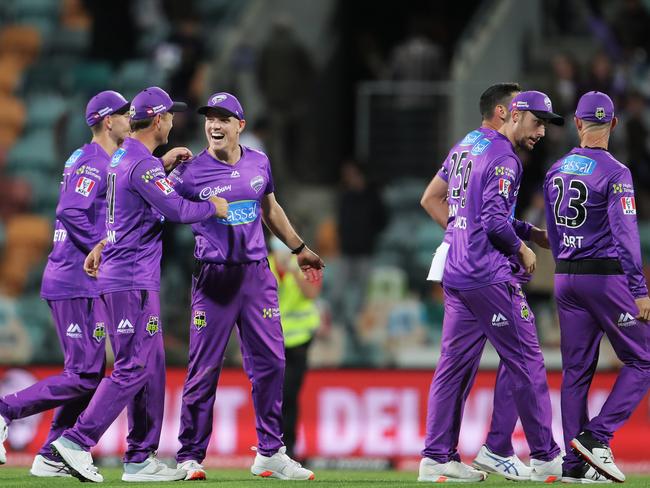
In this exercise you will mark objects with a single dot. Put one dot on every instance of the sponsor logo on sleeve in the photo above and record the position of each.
(257, 183)
(117, 157)
(199, 320)
(271, 312)
(153, 325)
(73, 158)
(622, 188)
(504, 187)
(629, 205)
(504, 171)
(575, 164)
(89, 170)
(84, 186)
(165, 186)
(480, 147)
(152, 173)
(471, 138)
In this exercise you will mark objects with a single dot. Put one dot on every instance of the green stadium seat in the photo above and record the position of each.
(35, 150)
(134, 76)
(90, 78)
(43, 111)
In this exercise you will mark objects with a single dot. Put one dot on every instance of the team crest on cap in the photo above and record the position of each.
(547, 102)
(218, 99)
(132, 111)
(600, 113)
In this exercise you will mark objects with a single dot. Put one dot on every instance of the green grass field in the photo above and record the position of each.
(19, 478)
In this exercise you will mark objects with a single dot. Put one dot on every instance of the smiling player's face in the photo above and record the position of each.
(222, 131)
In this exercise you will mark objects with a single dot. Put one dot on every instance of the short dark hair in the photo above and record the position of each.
(137, 125)
(496, 95)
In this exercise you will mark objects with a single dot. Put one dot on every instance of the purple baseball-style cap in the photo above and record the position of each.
(224, 103)
(152, 101)
(595, 106)
(538, 104)
(105, 103)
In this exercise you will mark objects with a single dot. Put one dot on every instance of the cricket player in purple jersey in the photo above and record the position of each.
(70, 293)
(497, 454)
(139, 199)
(484, 300)
(233, 283)
(599, 287)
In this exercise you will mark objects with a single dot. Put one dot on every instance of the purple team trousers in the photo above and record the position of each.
(138, 378)
(80, 326)
(224, 295)
(590, 306)
(498, 313)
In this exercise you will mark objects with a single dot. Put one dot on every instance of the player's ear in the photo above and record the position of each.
(614, 123)
(242, 125)
(578, 123)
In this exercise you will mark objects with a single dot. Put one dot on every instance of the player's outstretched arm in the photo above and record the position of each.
(277, 221)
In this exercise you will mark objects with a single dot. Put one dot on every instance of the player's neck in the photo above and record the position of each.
(105, 142)
(228, 156)
(488, 124)
(595, 141)
(146, 138)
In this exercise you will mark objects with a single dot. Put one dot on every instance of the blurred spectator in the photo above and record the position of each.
(565, 83)
(300, 320)
(256, 135)
(361, 217)
(417, 58)
(630, 26)
(285, 75)
(106, 43)
(604, 77)
(638, 152)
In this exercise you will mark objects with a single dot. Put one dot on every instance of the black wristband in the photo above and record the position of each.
(299, 249)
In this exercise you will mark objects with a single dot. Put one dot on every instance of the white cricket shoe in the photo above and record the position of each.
(152, 470)
(46, 468)
(78, 461)
(4, 432)
(546, 471)
(193, 469)
(598, 454)
(583, 474)
(510, 467)
(280, 466)
(449, 472)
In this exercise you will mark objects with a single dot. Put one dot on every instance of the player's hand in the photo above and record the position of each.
(527, 258)
(174, 157)
(643, 304)
(540, 237)
(91, 263)
(310, 264)
(220, 207)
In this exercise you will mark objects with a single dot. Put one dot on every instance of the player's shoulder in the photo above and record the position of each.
(254, 154)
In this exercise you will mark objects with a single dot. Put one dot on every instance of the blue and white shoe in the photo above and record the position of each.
(510, 467)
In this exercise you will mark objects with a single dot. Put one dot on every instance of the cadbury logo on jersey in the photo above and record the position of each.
(578, 165)
(210, 191)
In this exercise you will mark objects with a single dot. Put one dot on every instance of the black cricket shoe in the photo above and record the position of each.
(597, 454)
(584, 474)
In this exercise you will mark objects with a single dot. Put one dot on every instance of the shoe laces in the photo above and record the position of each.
(282, 454)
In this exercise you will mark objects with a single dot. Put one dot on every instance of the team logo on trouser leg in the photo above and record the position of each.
(100, 331)
(152, 325)
(199, 319)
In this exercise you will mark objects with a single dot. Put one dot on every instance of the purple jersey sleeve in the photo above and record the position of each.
(522, 229)
(621, 212)
(75, 205)
(501, 180)
(181, 180)
(551, 227)
(443, 172)
(270, 185)
(160, 194)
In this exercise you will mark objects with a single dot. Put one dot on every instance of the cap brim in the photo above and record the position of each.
(178, 107)
(123, 109)
(552, 118)
(220, 110)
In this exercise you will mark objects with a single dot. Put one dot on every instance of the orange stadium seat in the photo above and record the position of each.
(12, 120)
(10, 72)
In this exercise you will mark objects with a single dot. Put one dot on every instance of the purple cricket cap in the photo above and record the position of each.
(538, 104)
(595, 106)
(225, 103)
(103, 104)
(152, 101)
